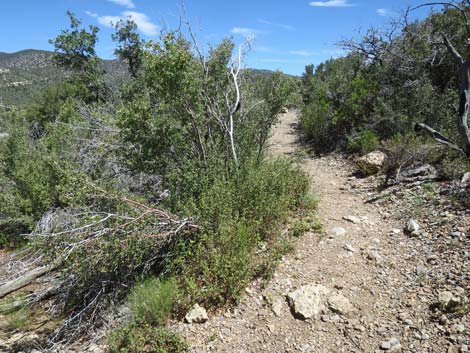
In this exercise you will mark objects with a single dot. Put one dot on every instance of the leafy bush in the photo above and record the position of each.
(384, 85)
(135, 338)
(31, 181)
(237, 214)
(16, 312)
(151, 301)
(366, 142)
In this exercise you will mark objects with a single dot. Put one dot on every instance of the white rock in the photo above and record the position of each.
(352, 219)
(348, 247)
(412, 226)
(448, 300)
(338, 231)
(340, 304)
(276, 307)
(371, 163)
(308, 301)
(373, 256)
(466, 178)
(197, 314)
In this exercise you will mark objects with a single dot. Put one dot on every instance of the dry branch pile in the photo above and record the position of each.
(99, 255)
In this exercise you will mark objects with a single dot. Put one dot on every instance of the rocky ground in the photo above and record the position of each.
(373, 281)
(366, 284)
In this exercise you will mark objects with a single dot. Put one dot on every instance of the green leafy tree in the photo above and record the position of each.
(129, 45)
(75, 51)
(75, 47)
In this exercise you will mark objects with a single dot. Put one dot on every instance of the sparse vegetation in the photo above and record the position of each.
(145, 338)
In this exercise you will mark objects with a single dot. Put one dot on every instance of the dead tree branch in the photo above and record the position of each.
(437, 136)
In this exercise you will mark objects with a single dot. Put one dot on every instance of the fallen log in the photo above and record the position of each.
(23, 281)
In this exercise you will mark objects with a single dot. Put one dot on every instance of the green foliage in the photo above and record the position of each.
(237, 214)
(366, 142)
(152, 300)
(47, 107)
(383, 86)
(16, 312)
(178, 97)
(135, 338)
(130, 46)
(308, 224)
(31, 179)
(75, 170)
(75, 51)
(18, 319)
(75, 48)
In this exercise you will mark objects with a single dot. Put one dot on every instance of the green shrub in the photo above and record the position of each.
(405, 150)
(366, 142)
(151, 301)
(237, 214)
(300, 227)
(135, 338)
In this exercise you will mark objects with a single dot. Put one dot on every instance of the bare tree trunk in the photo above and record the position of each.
(23, 281)
(464, 105)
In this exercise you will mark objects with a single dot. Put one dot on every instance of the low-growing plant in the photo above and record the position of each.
(366, 142)
(16, 312)
(18, 319)
(137, 338)
(152, 300)
(299, 228)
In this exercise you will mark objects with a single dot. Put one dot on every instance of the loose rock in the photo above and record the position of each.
(340, 304)
(371, 163)
(348, 247)
(338, 231)
(413, 227)
(197, 314)
(308, 300)
(352, 219)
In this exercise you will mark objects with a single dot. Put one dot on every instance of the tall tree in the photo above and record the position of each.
(75, 47)
(129, 45)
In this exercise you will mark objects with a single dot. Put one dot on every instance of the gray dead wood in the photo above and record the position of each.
(23, 281)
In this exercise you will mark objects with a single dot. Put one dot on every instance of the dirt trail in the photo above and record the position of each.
(369, 265)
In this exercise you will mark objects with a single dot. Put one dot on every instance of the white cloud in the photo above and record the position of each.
(91, 14)
(331, 3)
(246, 32)
(280, 25)
(385, 12)
(127, 3)
(109, 21)
(303, 52)
(143, 22)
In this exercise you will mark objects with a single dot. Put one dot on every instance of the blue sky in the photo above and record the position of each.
(288, 34)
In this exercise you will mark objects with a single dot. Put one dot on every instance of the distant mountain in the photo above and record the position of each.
(24, 74)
